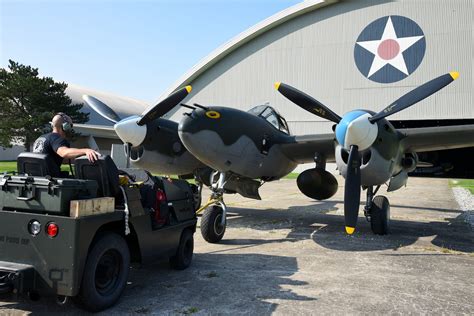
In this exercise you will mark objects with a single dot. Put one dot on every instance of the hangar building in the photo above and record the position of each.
(314, 46)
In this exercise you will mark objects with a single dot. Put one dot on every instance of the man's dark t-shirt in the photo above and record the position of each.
(49, 144)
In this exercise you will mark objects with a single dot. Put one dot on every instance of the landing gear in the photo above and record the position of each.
(377, 212)
(212, 229)
(213, 220)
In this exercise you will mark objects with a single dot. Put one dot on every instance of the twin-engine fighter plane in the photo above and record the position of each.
(370, 152)
(233, 151)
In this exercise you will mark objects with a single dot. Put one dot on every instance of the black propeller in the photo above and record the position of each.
(416, 95)
(352, 190)
(101, 108)
(353, 177)
(307, 102)
(165, 106)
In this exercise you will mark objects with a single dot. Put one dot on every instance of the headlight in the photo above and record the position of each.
(34, 227)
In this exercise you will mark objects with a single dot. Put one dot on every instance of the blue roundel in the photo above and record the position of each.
(341, 127)
(389, 49)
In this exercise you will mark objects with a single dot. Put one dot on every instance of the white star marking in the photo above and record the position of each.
(396, 61)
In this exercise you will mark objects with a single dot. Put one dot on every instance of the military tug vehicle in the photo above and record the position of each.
(76, 237)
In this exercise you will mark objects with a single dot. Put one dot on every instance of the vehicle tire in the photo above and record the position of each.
(184, 255)
(380, 215)
(105, 273)
(211, 228)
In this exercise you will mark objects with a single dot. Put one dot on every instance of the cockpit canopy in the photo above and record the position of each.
(271, 116)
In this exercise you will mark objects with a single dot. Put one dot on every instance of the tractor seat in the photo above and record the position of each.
(104, 171)
(37, 165)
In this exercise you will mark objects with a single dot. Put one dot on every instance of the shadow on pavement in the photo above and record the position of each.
(327, 230)
(214, 284)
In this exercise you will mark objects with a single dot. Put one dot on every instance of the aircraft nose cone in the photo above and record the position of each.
(356, 129)
(130, 132)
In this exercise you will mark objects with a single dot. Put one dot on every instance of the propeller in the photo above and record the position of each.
(357, 131)
(131, 130)
(352, 190)
(101, 108)
(416, 95)
(165, 106)
(307, 102)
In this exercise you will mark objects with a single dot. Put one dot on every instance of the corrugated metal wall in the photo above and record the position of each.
(315, 53)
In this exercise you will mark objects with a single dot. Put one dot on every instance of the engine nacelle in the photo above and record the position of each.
(374, 168)
(317, 183)
(409, 162)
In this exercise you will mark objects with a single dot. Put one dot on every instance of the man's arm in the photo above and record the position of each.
(71, 153)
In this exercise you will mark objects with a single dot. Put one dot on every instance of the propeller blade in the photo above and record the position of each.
(165, 106)
(416, 95)
(100, 107)
(307, 102)
(352, 190)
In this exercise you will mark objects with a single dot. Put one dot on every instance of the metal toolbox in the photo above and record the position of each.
(43, 195)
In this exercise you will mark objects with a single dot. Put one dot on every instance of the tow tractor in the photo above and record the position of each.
(76, 237)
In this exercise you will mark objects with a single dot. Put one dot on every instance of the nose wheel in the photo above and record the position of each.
(377, 212)
(214, 212)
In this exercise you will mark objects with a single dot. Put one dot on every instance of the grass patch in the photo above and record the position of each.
(10, 166)
(189, 311)
(211, 274)
(292, 175)
(465, 183)
(6, 166)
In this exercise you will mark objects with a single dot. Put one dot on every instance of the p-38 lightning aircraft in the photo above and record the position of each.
(232, 151)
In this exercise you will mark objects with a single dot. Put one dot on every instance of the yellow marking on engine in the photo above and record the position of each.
(213, 114)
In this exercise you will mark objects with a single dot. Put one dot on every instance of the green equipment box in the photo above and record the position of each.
(40, 194)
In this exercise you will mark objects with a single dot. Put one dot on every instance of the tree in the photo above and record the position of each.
(28, 103)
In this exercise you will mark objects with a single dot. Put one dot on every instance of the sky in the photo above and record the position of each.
(131, 48)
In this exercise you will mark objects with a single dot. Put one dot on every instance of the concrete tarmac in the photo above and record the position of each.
(289, 255)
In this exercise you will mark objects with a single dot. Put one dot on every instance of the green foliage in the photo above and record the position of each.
(465, 183)
(28, 103)
(10, 166)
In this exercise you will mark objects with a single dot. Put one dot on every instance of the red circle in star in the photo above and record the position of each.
(388, 49)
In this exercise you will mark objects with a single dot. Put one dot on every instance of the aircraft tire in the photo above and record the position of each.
(105, 273)
(184, 255)
(380, 215)
(211, 229)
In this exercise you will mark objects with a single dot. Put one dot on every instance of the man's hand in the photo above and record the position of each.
(92, 155)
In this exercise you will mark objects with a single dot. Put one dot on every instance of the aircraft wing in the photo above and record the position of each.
(302, 149)
(437, 138)
(101, 131)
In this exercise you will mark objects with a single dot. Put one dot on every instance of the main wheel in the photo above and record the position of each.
(105, 273)
(212, 229)
(184, 255)
(380, 215)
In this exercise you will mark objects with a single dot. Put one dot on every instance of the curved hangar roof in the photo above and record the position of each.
(244, 37)
(314, 46)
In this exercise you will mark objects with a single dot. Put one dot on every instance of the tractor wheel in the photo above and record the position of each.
(184, 255)
(105, 273)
